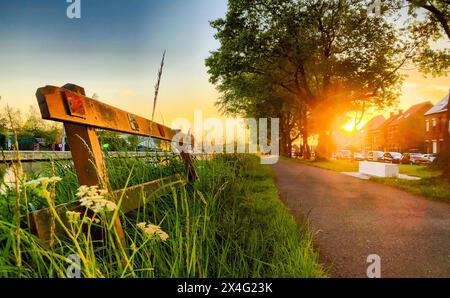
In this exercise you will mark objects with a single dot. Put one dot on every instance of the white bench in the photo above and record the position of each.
(378, 169)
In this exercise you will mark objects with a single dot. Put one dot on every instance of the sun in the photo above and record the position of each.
(350, 126)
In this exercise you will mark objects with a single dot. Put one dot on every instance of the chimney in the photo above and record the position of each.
(392, 114)
(400, 112)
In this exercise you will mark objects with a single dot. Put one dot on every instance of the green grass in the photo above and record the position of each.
(230, 223)
(419, 171)
(336, 165)
(432, 185)
(436, 188)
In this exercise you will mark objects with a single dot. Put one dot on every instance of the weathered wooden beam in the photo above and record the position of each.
(64, 105)
(87, 157)
(133, 198)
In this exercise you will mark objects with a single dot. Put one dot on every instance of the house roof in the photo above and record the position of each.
(388, 122)
(374, 123)
(439, 107)
(411, 111)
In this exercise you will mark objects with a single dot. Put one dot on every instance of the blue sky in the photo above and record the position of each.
(114, 50)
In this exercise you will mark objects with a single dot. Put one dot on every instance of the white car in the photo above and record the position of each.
(430, 157)
(375, 155)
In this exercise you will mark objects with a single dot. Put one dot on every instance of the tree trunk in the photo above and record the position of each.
(325, 147)
(306, 152)
(284, 137)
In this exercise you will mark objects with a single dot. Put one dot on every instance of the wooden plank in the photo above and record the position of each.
(54, 105)
(87, 155)
(133, 198)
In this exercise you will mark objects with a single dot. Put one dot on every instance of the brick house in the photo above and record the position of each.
(379, 134)
(436, 124)
(405, 133)
(369, 132)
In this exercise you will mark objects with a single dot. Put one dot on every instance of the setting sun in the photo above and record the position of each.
(350, 126)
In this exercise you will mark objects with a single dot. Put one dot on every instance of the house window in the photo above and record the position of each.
(435, 147)
(434, 122)
(427, 125)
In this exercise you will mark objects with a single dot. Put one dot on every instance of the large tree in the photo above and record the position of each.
(328, 56)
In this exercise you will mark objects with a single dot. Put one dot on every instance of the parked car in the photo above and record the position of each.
(392, 157)
(374, 155)
(359, 156)
(343, 154)
(430, 157)
(415, 158)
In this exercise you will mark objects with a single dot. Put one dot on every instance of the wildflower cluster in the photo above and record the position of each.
(94, 198)
(43, 181)
(152, 230)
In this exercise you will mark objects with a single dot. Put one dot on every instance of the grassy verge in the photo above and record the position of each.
(432, 185)
(230, 223)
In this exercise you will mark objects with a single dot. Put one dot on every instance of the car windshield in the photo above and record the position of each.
(396, 155)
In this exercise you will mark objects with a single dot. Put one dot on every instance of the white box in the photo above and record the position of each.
(378, 169)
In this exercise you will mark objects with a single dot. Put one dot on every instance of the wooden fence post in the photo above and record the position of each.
(87, 157)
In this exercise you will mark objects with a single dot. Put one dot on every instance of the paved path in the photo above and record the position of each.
(353, 218)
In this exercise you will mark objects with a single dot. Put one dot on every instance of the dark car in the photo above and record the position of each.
(392, 157)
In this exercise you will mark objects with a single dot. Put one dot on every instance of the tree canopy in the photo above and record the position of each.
(320, 57)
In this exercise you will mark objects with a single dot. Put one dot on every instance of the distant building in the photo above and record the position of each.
(379, 134)
(404, 132)
(436, 125)
(369, 132)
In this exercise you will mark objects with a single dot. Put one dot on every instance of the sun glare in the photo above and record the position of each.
(350, 126)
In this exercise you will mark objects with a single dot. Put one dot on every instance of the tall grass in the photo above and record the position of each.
(230, 223)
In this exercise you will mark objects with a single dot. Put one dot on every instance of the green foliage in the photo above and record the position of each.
(30, 128)
(313, 51)
(430, 24)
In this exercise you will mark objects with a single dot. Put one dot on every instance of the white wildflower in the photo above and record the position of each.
(43, 180)
(152, 230)
(94, 198)
(33, 183)
(55, 179)
(82, 190)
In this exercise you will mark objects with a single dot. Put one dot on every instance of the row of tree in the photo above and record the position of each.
(27, 128)
(308, 62)
(30, 127)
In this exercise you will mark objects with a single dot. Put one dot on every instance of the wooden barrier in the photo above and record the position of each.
(81, 116)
